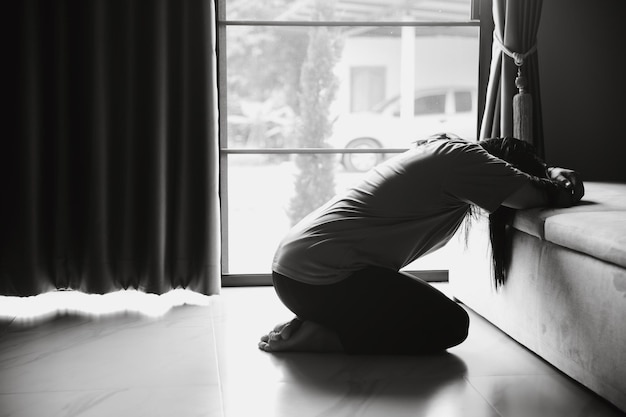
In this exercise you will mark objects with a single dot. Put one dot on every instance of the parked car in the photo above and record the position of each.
(449, 110)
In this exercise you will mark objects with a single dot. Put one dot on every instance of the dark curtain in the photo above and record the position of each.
(109, 165)
(516, 24)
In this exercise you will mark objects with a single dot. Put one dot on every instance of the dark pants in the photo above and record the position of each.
(379, 311)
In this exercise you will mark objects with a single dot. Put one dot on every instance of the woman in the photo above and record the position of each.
(338, 269)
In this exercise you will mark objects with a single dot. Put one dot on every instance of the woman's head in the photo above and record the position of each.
(522, 155)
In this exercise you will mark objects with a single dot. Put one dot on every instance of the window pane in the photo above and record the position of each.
(435, 104)
(300, 87)
(348, 10)
(463, 101)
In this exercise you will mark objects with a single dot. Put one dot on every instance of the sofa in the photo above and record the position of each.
(565, 297)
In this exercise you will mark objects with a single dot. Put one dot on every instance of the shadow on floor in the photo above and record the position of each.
(388, 377)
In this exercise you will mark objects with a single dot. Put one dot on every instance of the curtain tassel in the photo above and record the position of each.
(522, 101)
(522, 109)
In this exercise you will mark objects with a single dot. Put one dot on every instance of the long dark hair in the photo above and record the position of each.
(523, 156)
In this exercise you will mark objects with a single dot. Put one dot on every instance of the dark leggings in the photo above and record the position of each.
(379, 311)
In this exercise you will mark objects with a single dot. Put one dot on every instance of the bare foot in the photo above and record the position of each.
(300, 336)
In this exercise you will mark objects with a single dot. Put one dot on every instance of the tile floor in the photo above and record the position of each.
(202, 360)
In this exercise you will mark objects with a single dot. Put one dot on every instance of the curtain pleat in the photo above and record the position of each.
(517, 23)
(109, 167)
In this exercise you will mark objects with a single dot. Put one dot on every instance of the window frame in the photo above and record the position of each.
(264, 279)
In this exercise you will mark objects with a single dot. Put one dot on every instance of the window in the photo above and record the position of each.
(463, 101)
(433, 104)
(314, 92)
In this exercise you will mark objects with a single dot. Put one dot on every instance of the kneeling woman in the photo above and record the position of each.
(338, 270)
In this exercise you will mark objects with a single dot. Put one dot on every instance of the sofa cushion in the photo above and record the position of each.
(596, 226)
(599, 196)
(601, 235)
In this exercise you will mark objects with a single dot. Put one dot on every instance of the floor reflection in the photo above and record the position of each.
(369, 385)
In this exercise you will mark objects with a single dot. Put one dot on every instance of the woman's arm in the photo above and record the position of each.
(563, 189)
(528, 196)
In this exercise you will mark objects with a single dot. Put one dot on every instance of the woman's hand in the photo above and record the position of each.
(570, 180)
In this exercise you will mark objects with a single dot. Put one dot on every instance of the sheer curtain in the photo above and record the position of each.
(515, 31)
(109, 164)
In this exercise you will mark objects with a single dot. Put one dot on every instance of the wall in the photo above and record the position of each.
(583, 86)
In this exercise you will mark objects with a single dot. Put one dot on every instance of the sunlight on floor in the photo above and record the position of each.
(124, 301)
